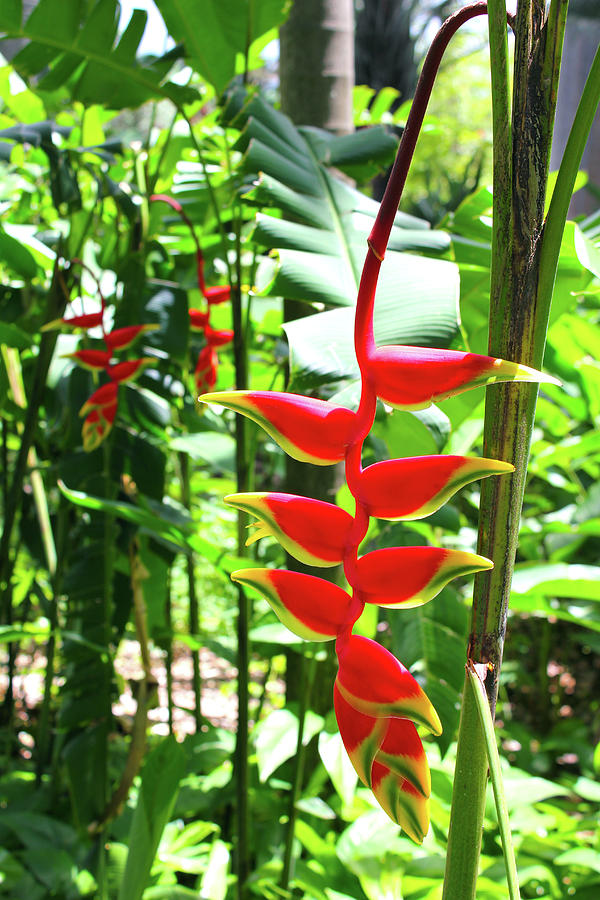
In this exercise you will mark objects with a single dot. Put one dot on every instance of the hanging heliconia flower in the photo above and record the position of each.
(205, 372)
(377, 701)
(100, 408)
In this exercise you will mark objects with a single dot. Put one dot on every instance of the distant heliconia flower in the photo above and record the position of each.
(100, 408)
(378, 703)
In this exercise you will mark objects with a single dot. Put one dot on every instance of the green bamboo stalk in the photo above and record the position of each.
(516, 325)
(194, 611)
(169, 653)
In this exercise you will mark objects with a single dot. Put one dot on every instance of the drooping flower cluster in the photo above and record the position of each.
(100, 408)
(205, 372)
(377, 701)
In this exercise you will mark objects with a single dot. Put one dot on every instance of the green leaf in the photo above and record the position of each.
(214, 880)
(417, 304)
(213, 32)
(522, 789)
(213, 447)
(68, 46)
(146, 519)
(276, 738)
(17, 257)
(163, 770)
(558, 580)
(24, 631)
(584, 857)
(338, 766)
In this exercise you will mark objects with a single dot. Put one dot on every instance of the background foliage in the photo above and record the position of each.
(131, 541)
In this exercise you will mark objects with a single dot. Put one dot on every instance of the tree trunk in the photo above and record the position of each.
(316, 64)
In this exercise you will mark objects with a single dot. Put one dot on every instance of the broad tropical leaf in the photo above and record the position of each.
(68, 47)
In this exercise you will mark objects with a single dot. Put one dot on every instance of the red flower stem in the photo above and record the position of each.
(379, 236)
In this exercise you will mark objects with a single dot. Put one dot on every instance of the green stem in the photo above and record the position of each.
(468, 803)
(43, 731)
(487, 724)
(518, 326)
(192, 595)
(169, 652)
(309, 668)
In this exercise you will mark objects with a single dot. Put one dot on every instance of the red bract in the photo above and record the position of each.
(216, 338)
(312, 608)
(308, 429)
(415, 487)
(413, 377)
(91, 359)
(410, 576)
(313, 531)
(376, 698)
(217, 294)
(205, 373)
(97, 425)
(198, 319)
(128, 369)
(124, 337)
(104, 396)
(87, 320)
